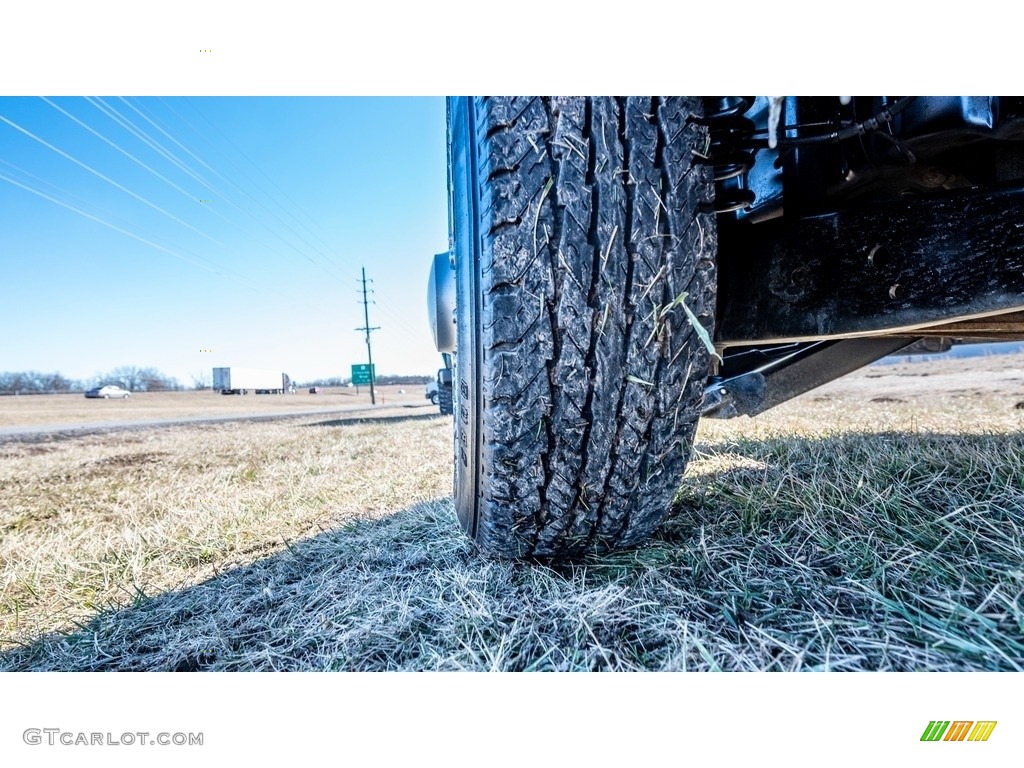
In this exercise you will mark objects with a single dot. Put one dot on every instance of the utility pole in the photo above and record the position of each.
(367, 328)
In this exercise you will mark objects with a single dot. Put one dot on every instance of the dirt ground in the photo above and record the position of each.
(975, 376)
(996, 381)
(43, 410)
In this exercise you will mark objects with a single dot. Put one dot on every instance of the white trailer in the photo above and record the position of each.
(240, 381)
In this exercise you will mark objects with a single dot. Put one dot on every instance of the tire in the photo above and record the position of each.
(575, 404)
(434, 398)
(444, 400)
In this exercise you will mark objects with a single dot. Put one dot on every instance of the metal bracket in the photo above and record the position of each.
(754, 392)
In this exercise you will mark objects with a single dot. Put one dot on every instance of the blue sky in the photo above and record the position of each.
(257, 215)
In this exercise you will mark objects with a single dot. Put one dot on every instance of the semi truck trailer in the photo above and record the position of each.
(239, 381)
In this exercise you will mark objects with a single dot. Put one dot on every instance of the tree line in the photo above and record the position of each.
(137, 379)
(337, 381)
(127, 377)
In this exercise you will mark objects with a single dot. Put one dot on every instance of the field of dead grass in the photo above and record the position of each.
(876, 523)
(64, 410)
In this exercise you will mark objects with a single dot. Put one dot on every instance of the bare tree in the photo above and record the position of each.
(140, 379)
(128, 376)
(35, 382)
(156, 381)
(54, 382)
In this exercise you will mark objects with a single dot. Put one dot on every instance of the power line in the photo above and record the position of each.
(236, 186)
(254, 165)
(284, 223)
(124, 152)
(216, 268)
(131, 157)
(88, 209)
(155, 145)
(222, 176)
(107, 179)
(209, 267)
(195, 260)
(142, 136)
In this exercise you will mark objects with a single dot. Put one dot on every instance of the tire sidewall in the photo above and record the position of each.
(466, 390)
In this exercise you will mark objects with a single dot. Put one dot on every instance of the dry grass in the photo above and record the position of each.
(876, 529)
(94, 521)
(35, 410)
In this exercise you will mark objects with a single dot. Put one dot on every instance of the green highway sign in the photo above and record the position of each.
(363, 373)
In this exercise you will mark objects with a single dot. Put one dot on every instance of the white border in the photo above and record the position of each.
(133, 48)
(530, 719)
(312, 47)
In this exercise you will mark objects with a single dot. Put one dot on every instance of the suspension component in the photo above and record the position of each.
(729, 153)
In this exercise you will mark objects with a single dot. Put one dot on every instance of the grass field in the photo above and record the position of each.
(40, 410)
(876, 523)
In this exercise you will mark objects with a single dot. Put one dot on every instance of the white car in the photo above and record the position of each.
(431, 392)
(108, 392)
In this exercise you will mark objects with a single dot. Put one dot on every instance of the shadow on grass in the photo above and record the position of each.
(367, 420)
(855, 552)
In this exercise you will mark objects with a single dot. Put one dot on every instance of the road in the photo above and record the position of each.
(35, 431)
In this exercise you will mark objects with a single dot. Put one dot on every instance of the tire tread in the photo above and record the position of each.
(592, 214)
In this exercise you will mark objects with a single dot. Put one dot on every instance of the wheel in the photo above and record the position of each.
(585, 248)
(444, 399)
(433, 398)
(106, 397)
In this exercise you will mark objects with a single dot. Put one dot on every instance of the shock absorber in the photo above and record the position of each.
(729, 153)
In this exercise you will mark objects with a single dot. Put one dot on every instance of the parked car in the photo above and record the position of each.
(314, 390)
(108, 392)
(431, 393)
